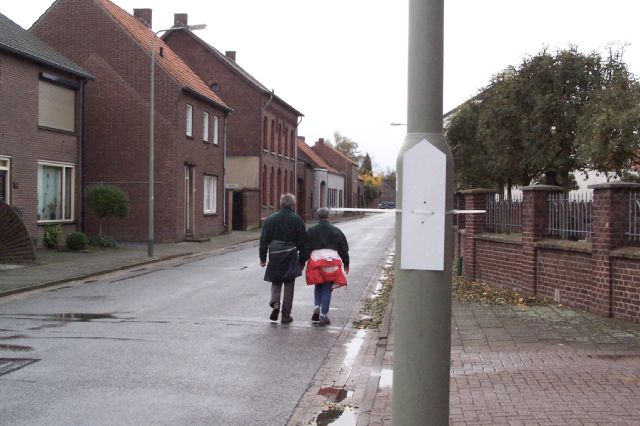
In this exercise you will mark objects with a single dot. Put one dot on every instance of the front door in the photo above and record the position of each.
(188, 199)
(4, 180)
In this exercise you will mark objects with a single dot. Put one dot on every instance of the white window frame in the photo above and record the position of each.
(210, 194)
(189, 120)
(6, 167)
(72, 186)
(216, 121)
(205, 127)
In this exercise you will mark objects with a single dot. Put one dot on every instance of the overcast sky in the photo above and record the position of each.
(342, 63)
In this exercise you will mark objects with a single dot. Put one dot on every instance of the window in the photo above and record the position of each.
(205, 127)
(264, 186)
(273, 137)
(265, 141)
(56, 106)
(210, 185)
(5, 178)
(340, 198)
(189, 120)
(215, 130)
(55, 191)
(271, 187)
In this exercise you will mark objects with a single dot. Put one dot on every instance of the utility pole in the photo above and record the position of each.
(424, 223)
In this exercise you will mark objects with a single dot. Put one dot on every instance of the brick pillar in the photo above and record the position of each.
(535, 223)
(474, 199)
(610, 221)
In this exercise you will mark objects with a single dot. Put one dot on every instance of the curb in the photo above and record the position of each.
(364, 416)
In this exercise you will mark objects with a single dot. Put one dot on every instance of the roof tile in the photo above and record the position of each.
(169, 60)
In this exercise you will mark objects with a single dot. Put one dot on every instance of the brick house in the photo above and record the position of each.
(354, 195)
(41, 131)
(261, 150)
(319, 184)
(189, 121)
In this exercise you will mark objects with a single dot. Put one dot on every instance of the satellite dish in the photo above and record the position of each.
(215, 87)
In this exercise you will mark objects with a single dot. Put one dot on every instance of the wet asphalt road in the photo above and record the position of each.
(182, 342)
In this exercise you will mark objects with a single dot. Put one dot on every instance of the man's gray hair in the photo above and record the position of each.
(323, 213)
(287, 200)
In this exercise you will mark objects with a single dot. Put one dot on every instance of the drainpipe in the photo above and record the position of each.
(81, 147)
(225, 222)
(295, 163)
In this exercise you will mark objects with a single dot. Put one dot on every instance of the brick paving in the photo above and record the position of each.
(545, 365)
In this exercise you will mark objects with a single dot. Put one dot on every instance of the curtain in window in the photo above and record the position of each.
(49, 193)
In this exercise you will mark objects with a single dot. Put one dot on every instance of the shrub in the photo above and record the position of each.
(77, 241)
(52, 234)
(102, 241)
(107, 201)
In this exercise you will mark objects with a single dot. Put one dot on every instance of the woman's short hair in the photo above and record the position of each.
(287, 200)
(323, 213)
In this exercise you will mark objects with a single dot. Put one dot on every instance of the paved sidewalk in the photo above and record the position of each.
(545, 365)
(58, 266)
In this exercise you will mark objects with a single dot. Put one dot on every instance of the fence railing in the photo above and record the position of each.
(570, 216)
(503, 216)
(634, 216)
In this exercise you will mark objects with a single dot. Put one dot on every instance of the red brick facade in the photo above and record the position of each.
(262, 126)
(113, 46)
(600, 275)
(353, 191)
(24, 144)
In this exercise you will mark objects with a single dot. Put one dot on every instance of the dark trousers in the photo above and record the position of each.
(287, 300)
(322, 296)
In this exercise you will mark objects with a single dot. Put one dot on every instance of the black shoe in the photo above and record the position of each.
(286, 319)
(316, 315)
(275, 312)
(324, 320)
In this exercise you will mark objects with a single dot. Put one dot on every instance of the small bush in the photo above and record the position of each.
(52, 234)
(107, 201)
(77, 241)
(102, 241)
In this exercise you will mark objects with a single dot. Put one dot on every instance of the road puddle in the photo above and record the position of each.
(15, 348)
(337, 416)
(386, 379)
(353, 348)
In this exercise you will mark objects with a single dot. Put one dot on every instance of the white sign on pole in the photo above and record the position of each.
(423, 207)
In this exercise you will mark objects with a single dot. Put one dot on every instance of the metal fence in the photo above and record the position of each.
(634, 216)
(570, 216)
(503, 216)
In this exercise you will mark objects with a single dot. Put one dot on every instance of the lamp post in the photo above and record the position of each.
(152, 127)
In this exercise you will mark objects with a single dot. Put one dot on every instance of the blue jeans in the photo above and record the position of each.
(322, 296)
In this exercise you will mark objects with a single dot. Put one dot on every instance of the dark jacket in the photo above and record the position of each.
(326, 236)
(285, 225)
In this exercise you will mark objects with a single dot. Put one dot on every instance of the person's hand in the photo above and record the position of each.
(346, 270)
(263, 263)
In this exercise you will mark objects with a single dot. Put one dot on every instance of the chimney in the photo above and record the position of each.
(180, 19)
(231, 54)
(320, 141)
(144, 16)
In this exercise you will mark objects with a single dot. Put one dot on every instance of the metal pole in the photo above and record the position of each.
(151, 142)
(423, 297)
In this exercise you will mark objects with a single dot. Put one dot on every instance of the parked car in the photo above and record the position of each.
(387, 205)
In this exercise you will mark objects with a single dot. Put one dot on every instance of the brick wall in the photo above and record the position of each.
(25, 143)
(600, 275)
(253, 108)
(117, 126)
(498, 262)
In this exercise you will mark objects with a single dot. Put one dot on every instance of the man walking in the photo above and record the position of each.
(327, 251)
(283, 236)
